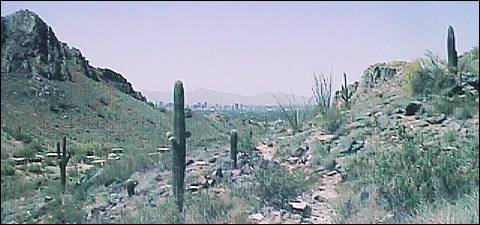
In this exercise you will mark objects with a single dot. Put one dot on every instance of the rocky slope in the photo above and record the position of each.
(31, 49)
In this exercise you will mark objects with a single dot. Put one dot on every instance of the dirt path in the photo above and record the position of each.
(319, 200)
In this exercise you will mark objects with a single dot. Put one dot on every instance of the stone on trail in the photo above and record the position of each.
(256, 216)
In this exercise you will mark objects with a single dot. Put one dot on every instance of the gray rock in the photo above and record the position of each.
(346, 144)
(437, 119)
(412, 108)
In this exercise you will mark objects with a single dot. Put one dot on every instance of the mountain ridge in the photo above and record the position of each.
(224, 98)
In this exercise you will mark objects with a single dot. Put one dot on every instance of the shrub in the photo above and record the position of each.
(275, 185)
(331, 120)
(21, 135)
(462, 107)
(245, 140)
(163, 214)
(35, 168)
(323, 157)
(408, 175)
(206, 208)
(7, 169)
(16, 188)
(29, 150)
(465, 210)
(427, 76)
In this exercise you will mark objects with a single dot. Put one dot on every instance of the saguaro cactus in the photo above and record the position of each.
(346, 95)
(178, 141)
(62, 162)
(451, 51)
(233, 147)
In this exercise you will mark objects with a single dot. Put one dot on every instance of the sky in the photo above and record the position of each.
(252, 47)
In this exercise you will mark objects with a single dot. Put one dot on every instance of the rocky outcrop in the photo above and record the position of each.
(30, 49)
(379, 72)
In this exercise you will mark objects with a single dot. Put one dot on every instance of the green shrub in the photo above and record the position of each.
(19, 135)
(463, 107)
(275, 186)
(7, 169)
(465, 210)
(206, 208)
(408, 175)
(332, 120)
(17, 187)
(427, 76)
(164, 213)
(35, 168)
(68, 211)
(245, 141)
(323, 157)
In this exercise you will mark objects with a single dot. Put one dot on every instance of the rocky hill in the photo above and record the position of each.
(30, 49)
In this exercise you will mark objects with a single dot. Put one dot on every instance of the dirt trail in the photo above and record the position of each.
(320, 199)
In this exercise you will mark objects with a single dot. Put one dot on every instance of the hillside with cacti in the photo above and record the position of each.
(79, 145)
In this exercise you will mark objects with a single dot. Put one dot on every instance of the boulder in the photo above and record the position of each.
(437, 119)
(412, 108)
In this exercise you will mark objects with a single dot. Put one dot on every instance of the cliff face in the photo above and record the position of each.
(30, 49)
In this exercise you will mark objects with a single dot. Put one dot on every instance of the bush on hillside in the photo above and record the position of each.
(427, 76)
(275, 186)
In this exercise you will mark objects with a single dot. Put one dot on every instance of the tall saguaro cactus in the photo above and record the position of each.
(233, 147)
(451, 51)
(346, 95)
(62, 162)
(178, 141)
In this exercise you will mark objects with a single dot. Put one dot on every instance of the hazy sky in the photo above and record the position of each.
(252, 47)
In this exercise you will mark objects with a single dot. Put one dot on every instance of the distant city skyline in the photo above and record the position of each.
(252, 47)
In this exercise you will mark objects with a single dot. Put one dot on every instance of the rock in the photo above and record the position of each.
(450, 149)
(194, 188)
(19, 160)
(293, 160)
(398, 111)
(48, 198)
(115, 198)
(298, 205)
(454, 126)
(326, 138)
(320, 198)
(437, 119)
(189, 162)
(212, 160)
(346, 144)
(256, 217)
(331, 173)
(378, 114)
(158, 178)
(412, 108)
(200, 163)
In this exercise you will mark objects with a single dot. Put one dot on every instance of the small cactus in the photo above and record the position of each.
(233, 147)
(178, 140)
(346, 95)
(451, 51)
(62, 162)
